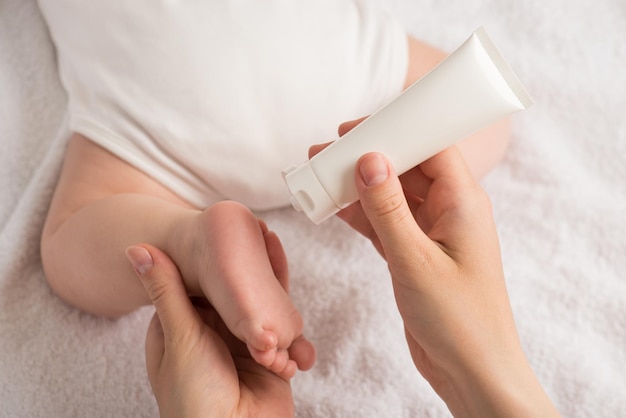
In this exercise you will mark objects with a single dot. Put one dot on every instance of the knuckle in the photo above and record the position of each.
(472, 203)
(157, 290)
(390, 208)
(481, 204)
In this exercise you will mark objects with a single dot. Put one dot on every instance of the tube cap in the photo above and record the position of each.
(307, 193)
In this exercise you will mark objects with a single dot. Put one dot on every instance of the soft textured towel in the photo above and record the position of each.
(559, 199)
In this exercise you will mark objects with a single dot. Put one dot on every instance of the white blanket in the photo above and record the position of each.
(559, 199)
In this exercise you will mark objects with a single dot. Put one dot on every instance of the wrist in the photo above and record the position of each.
(508, 389)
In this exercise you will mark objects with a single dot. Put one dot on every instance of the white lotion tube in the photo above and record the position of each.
(469, 90)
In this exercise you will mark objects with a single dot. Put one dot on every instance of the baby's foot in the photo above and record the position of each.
(244, 276)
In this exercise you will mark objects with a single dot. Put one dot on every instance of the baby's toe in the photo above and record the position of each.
(263, 357)
(303, 353)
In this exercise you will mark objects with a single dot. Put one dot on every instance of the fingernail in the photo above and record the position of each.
(140, 258)
(374, 170)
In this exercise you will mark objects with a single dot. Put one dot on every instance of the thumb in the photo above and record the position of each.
(385, 205)
(164, 285)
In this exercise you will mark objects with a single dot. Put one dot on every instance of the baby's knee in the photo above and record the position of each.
(484, 149)
(50, 260)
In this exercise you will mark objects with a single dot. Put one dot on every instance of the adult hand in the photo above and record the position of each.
(435, 228)
(196, 367)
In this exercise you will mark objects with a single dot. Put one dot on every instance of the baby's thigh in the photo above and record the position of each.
(91, 173)
(422, 59)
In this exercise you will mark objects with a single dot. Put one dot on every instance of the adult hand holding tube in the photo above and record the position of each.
(435, 228)
(471, 89)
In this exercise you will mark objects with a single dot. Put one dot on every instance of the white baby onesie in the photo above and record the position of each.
(213, 98)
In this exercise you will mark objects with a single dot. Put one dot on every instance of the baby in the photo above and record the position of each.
(183, 115)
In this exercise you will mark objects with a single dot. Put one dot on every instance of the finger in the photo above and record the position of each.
(346, 127)
(343, 129)
(459, 193)
(278, 258)
(383, 201)
(303, 353)
(155, 349)
(449, 165)
(467, 204)
(263, 226)
(164, 285)
(316, 149)
(356, 218)
(415, 182)
(446, 164)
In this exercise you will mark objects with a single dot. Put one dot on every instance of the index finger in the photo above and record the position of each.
(448, 164)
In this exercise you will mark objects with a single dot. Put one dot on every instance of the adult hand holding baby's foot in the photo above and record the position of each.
(196, 366)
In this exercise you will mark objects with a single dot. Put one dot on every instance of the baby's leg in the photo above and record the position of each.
(102, 205)
(483, 149)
